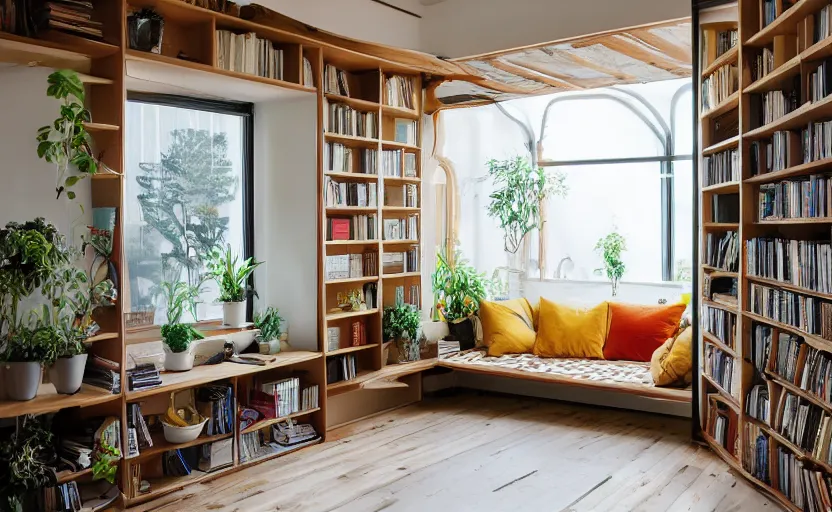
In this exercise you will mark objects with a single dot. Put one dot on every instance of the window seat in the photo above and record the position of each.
(620, 376)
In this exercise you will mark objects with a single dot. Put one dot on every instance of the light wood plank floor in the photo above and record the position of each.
(485, 453)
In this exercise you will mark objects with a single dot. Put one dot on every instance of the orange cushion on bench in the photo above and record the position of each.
(636, 331)
(564, 331)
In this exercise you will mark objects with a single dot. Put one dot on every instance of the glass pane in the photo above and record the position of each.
(683, 129)
(682, 220)
(183, 197)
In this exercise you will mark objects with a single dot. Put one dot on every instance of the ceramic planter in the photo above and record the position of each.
(234, 313)
(67, 373)
(23, 380)
(179, 361)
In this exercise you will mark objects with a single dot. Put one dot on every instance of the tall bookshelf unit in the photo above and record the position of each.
(110, 68)
(766, 358)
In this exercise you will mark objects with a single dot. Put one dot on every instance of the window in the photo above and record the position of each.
(187, 167)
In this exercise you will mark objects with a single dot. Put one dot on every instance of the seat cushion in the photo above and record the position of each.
(507, 327)
(565, 331)
(672, 363)
(636, 331)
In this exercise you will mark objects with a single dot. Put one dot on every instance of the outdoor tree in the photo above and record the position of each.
(182, 194)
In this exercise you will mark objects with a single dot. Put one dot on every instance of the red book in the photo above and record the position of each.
(356, 334)
(340, 229)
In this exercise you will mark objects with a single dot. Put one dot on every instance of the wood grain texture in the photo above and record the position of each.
(487, 453)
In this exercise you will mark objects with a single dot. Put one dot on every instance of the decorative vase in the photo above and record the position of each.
(23, 380)
(179, 361)
(407, 350)
(67, 373)
(145, 31)
(463, 331)
(233, 314)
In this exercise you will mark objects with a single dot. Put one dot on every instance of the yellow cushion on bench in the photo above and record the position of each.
(672, 363)
(564, 331)
(507, 327)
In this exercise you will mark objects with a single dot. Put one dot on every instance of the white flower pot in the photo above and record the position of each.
(67, 373)
(234, 313)
(179, 361)
(23, 380)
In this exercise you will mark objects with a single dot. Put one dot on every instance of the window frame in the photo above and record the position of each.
(245, 111)
(666, 135)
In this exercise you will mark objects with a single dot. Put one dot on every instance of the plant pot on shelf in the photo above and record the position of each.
(67, 373)
(234, 314)
(23, 380)
(179, 361)
(145, 30)
(463, 331)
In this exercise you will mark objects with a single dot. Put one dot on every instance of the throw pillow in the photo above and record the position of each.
(565, 331)
(672, 363)
(636, 331)
(507, 327)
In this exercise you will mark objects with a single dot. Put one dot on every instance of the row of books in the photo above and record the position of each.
(399, 92)
(392, 160)
(144, 376)
(755, 452)
(350, 194)
(723, 429)
(772, 105)
(725, 40)
(817, 141)
(216, 402)
(809, 314)
(816, 376)
(805, 424)
(757, 403)
(286, 436)
(340, 368)
(722, 250)
(103, 373)
(769, 12)
(786, 359)
(763, 64)
(719, 365)
(823, 24)
(345, 266)
(247, 53)
(722, 167)
(772, 155)
(276, 399)
(339, 158)
(721, 84)
(358, 336)
(357, 227)
(798, 198)
(401, 229)
(16, 18)
(335, 81)
(761, 339)
(342, 119)
(399, 262)
(72, 16)
(721, 324)
(807, 488)
(803, 263)
(138, 434)
(820, 82)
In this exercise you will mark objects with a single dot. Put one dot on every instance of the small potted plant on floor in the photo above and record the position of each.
(458, 288)
(400, 325)
(177, 336)
(268, 322)
(232, 278)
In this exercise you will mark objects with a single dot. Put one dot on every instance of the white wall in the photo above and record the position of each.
(590, 292)
(458, 28)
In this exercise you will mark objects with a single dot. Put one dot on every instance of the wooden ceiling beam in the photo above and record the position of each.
(535, 76)
(641, 52)
(674, 51)
(586, 63)
(581, 83)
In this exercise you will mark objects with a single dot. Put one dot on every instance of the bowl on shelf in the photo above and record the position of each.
(178, 435)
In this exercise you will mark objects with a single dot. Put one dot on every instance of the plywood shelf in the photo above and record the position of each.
(730, 399)
(402, 275)
(271, 421)
(398, 145)
(69, 476)
(350, 209)
(353, 280)
(811, 339)
(351, 140)
(786, 23)
(401, 179)
(713, 340)
(729, 57)
(53, 50)
(102, 337)
(788, 286)
(402, 209)
(809, 168)
(334, 317)
(722, 188)
(389, 110)
(348, 350)
(101, 127)
(806, 220)
(351, 242)
(358, 104)
(49, 400)
(777, 79)
(400, 242)
(729, 103)
(721, 226)
(794, 120)
(388, 373)
(352, 176)
(160, 445)
(726, 144)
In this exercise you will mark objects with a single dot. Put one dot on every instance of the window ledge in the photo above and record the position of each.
(660, 284)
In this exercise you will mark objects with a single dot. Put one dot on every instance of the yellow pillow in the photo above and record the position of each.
(507, 327)
(672, 363)
(564, 331)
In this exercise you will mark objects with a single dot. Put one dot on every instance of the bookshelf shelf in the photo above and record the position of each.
(402, 275)
(793, 120)
(786, 23)
(727, 397)
(164, 485)
(161, 446)
(360, 376)
(355, 103)
(279, 453)
(777, 78)
(806, 220)
(351, 140)
(352, 176)
(791, 172)
(351, 242)
(400, 242)
(713, 340)
(333, 317)
(721, 226)
(389, 372)
(711, 270)
(787, 286)
(411, 209)
(730, 103)
(817, 51)
(728, 57)
(54, 50)
(348, 350)
(350, 209)
(401, 179)
(780, 438)
(722, 146)
(101, 127)
(69, 476)
(368, 279)
(267, 423)
(793, 388)
(722, 188)
(390, 110)
(49, 400)
(387, 144)
(811, 339)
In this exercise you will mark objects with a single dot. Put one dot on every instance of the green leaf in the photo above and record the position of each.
(70, 194)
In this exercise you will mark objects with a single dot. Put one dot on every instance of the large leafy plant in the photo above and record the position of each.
(268, 322)
(399, 319)
(611, 248)
(515, 202)
(231, 275)
(66, 142)
(458, 287)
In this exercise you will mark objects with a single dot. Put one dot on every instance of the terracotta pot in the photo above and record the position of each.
(67, 373)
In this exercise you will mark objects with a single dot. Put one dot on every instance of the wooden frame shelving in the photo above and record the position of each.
(788, 42)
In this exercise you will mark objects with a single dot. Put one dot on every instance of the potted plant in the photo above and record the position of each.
(232, 278)
(26, 459)
(176, 336)
(29, 255)
(400, 325)
(611, 247)
(268, 322)
(458, 288)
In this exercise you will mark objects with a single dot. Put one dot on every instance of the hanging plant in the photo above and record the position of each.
(66, 143)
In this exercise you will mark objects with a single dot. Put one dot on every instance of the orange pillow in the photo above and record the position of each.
(636, 331)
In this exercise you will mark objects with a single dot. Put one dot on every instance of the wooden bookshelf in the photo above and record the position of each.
(795, 56)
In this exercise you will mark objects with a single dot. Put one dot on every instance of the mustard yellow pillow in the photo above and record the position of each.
(507, 327)
(564, 331)
(672, 363)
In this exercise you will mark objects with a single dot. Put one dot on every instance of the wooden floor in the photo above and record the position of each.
(471, 452)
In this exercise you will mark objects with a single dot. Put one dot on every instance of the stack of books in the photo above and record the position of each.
(308, 75)
(406, 130)
(283, 397)
(804, 263)
(16, 17)
(251, 446)
(755, 452)
(309, 398)
(342, 119)
(808, 489)
(800, 422)
(391, 162)
(721, 324)
(809, 314)
(337, 157)
(103, 373)
(292, 435)
(817, 141)
(174, 463)
(144, 376)
(335, 81)
(773, 105)
(725, 40)
(820, 82)
(368, 161)
(216, 402)
(723, 429)
(773, 155)
(823, 24)
(340, 368)
(719, 86)
(720, 367)
(73, 16)
(62, 498)
(350, 194)
(763, 64)
(800, 198)
(399, 92)
(359, 333)
(247, 53)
